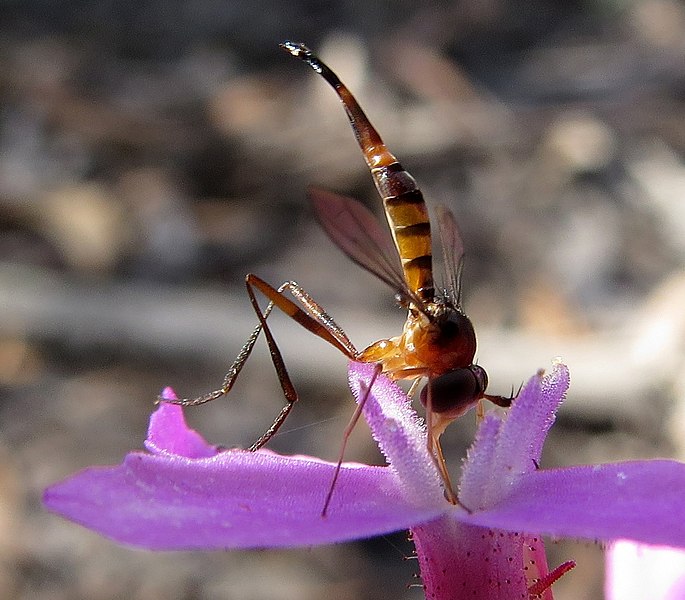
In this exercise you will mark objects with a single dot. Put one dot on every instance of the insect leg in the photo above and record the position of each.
(435, 450)
(504, 401)
(480, 412)
(315, 310)
(414, 386)
(231, 375)
(312, 318)
(378, 369)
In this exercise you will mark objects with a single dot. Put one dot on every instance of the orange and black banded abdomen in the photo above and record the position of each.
(407, 216)
(404, 205)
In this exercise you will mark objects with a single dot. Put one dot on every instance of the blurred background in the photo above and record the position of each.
(152, 153)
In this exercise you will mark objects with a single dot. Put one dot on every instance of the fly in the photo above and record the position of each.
(438, 341)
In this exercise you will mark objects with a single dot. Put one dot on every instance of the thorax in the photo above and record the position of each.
(430, 344)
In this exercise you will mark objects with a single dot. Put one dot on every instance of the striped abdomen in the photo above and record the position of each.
(404, 205)
(408, 219)
(403, 202)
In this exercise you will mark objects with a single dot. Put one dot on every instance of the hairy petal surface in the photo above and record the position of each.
(463, 557)
(523, 432)
(485, 551)
(187, 494)
(508, 446)
(639, 500)
(400, 434)
(236, 499)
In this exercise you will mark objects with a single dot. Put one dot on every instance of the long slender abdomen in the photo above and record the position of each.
(404, 205)
(403, 202)
(407, 216)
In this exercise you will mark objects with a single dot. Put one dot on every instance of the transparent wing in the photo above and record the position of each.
(356, 231)
(452, 252)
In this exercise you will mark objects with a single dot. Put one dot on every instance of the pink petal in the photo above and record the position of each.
(169, 434)
(641, 500)
(401, 436)
(506, 447)
(523, 433)
(189, 495)
(461, 561)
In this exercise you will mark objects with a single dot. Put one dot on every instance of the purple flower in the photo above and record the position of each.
(185, 494)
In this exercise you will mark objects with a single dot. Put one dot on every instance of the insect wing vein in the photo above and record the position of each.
(356, 231)
(452, 252)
